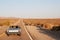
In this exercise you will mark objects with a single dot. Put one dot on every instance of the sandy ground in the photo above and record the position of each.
(36, 35)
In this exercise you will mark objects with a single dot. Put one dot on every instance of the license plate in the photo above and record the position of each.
(13, 30)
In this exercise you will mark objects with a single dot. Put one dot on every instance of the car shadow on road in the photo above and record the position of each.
(53, 34)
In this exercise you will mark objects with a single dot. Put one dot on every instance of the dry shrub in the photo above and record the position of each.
(4, 23)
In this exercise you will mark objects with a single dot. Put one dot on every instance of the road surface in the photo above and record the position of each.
(38, 34)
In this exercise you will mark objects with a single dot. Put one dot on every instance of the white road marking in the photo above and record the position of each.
(27, 31)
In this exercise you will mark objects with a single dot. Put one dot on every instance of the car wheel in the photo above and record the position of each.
(7, 34)
(19, 34)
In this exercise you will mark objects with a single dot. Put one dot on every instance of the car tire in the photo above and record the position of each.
(19, 34)
(7, 34)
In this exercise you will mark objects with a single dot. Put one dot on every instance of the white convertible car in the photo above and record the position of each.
(13, 30)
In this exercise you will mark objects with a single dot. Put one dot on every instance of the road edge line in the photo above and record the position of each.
(28, 34)
(27, 31)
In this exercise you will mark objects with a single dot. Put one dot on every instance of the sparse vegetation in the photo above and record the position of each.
(44, 23)
(7, 22)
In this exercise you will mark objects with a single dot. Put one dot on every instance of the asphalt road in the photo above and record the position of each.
(53, 34)
(38, 34)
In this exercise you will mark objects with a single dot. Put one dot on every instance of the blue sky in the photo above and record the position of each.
(30, 8)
